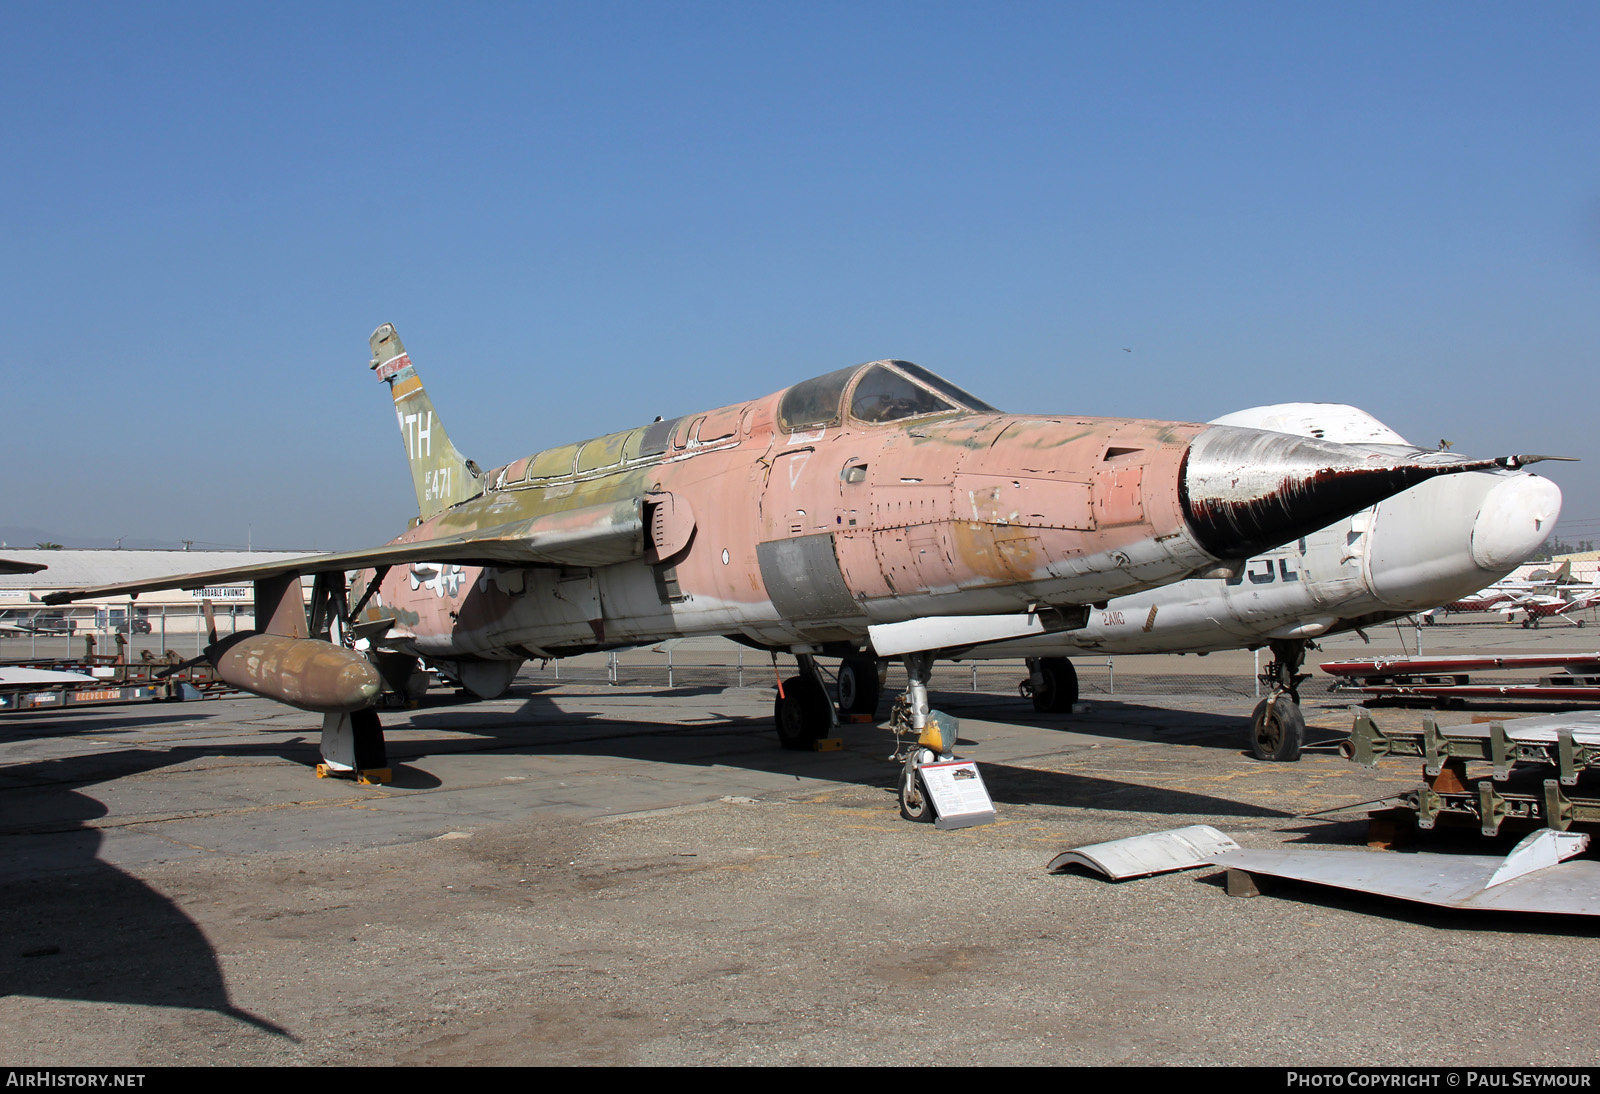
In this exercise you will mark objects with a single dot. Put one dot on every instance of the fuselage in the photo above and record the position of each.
(770, 524)
(874, 496)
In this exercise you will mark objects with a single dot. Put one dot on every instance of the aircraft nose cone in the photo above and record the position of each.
(1516, 517)
(1448, 537)
(1247, 490)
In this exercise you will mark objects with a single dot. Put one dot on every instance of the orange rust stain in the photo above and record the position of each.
(995, 553)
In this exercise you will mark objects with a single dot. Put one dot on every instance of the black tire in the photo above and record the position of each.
(1277, 730)
(801, 713)
(915, 804)
(859, 689)
(1060, 688)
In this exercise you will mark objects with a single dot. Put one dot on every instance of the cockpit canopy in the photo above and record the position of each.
(876, 392)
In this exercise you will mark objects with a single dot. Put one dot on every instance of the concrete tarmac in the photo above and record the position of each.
(580, 874)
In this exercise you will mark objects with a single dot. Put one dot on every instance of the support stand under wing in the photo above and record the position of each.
(353, 748)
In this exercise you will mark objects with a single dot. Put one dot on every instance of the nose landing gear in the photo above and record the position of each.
(934, 737)
(1277, 726)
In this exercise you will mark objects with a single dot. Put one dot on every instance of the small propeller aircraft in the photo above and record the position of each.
(876, 510)
(1543, 594)
(1490, 599)
(1558, 604)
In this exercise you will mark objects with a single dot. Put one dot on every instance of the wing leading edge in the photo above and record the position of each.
(595, 535)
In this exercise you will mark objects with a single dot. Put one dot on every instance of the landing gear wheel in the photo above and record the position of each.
(859, 688)
(801, 713)
(1060, 688)
(1277, 730)
(915, 805)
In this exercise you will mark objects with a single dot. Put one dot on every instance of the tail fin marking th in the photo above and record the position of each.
(441, 475)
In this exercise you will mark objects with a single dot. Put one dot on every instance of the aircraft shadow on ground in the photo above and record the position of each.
(77, 722)
(741, 741)
(75, 927)
(1126, 720)
(78, 928)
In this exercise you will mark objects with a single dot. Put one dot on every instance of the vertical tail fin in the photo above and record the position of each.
(441, 475)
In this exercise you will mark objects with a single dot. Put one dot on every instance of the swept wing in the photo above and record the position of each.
(596, 535)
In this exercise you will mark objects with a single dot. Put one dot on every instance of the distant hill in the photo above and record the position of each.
(17, 537)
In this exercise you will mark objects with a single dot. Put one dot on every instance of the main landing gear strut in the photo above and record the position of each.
(1277, 726)
(1052, 684)
(802, 711)
(859, 685)
(352, 742)
(353, 748)
(804, 714)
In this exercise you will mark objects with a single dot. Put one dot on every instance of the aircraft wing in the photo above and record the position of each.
(595, 535)
(20, 677)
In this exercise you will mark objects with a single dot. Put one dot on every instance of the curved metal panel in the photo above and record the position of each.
(803, 578)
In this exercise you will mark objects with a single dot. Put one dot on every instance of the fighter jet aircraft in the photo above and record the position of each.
(1430, 544)
(876, 508)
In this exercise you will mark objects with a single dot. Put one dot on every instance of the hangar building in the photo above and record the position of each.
(172, 613)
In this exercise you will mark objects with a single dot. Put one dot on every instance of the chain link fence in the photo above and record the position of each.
(32, 635)
(656, 667)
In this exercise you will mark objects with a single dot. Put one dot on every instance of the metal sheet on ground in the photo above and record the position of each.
(1470, 882)
(1155, 853)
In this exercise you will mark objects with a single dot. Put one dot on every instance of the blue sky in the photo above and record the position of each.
(583, 215)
